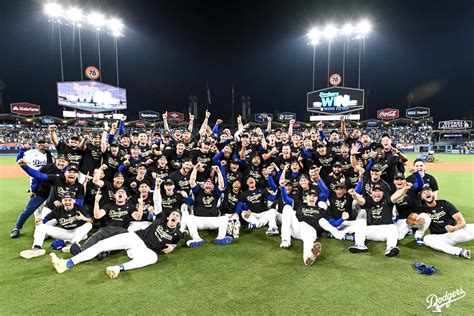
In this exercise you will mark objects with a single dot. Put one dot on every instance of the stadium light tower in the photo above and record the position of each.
(314, 39)
(347, 31)
(362, 31)
(80, 19)
(330, 32)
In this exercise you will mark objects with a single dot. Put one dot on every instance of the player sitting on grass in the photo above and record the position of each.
(380, 227)
(72, 225)
(142, 246)
(448, 227)
(406, 207)
(206, 214)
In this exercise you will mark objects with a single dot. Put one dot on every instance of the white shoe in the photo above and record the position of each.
(236, 230)
(66, 249)
(112, 271)
(230, 228)
(59, 264)
(32, 253)
(285, 244)
(316, 251)
(272, 231)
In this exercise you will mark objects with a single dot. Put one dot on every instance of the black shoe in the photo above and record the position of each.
(75, 249)
(392, 252)
(103, 255)
(15, 233)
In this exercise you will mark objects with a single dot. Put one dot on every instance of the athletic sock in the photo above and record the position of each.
(122, 268)
(69, 263)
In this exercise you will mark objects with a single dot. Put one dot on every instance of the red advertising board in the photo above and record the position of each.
(175, 117)
(388, 114)
(25, 108)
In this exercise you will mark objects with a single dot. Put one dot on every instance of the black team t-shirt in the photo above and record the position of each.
(379, 213)
(68, 219)
(158, 234)
(118, 215)
(441, 215)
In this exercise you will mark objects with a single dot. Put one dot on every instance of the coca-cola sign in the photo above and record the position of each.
(25, 108)
(388, 114)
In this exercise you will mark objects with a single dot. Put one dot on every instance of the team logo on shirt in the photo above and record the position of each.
(436, 216)
(377, 211)
(67, 221)
(340, 204)
(117, 214)
(161, 234)
(254, 198)
(310, 211)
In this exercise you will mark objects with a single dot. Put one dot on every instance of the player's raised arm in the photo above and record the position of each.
(460, 223)
(137, 215)
(191, 121)
(165, 121)
(53, 135)
(399, 193)
(96, 179)
(357, 197)
(98, 212)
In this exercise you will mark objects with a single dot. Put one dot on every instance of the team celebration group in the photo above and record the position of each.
(145, 191)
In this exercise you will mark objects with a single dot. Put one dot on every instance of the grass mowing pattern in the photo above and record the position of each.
(252, 275)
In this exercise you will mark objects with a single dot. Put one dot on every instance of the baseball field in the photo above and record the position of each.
(251, 276)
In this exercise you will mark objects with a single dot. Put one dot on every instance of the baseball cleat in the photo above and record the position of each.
(419, 242)
(465, 253)
(223, 241)
(252, 226)
(58, 244)
(75, 249)
(67, 248)
(285, 244)
(32, 253)
(272, 231)
(230, 228)
(349, 237)
(102, 255)
(358, 249)
(15, 233)
(392, 252)
(195, 243)
(316, 251)
(331, 236)
(410, 232)
(236, 230)
(59, 264)
(112, 271)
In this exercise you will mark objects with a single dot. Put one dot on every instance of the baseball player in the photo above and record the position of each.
(206, 214)
(406, 208)
(141, 246)
(420, 167)
(380, 227)
(303, 221)
(448, 227)
(73, 224)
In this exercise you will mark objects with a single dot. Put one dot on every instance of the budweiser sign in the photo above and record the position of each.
(388, 114)
(175, 117)
(25, 108)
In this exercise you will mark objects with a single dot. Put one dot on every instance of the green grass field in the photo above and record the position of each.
(251, 276)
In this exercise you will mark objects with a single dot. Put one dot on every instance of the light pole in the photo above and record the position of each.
(314, 36)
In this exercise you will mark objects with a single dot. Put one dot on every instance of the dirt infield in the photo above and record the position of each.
(14, 171)
(11, 171)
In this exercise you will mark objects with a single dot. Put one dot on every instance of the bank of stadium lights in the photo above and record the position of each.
(76, 17)
(348, 31)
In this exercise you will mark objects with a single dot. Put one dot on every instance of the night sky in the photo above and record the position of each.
(171, 48)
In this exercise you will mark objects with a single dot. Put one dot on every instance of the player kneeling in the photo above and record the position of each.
(142, 246)
(73, 224)
(303, 221)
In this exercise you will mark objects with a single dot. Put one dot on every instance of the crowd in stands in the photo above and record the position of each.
(399, 134)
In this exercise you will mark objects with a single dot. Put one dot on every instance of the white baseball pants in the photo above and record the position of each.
(136, 249)
(138, 225)
(388, 233)
(44, 231)
(403, 227)
(291, 227)
(447, 242)
(195, 223)
(263, 219)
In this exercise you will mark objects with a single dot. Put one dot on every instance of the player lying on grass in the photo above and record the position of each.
(142, 246)
(380, 227)
(448, 227)
(68, 223)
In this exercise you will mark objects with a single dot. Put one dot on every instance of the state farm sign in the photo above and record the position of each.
(25, 108)
(388, 114)
(175, 117)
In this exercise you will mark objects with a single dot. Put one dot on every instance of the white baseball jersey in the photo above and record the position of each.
(35, 159)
